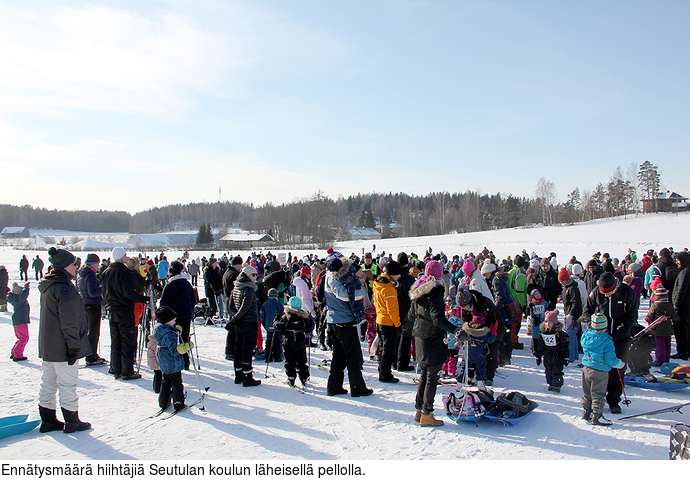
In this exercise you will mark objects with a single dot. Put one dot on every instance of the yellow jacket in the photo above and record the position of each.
(386, 301)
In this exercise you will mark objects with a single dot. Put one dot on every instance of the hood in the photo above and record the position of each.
(683, 258)
(557, 328)
(344, 269)
(475, 332)
(504, 275)
(56, 275)
(180, 276)
(424, 287)
(243, 281)
(292, 311)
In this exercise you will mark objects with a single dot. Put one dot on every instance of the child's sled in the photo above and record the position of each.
(510, 408)
(17, 424)
(642, 382)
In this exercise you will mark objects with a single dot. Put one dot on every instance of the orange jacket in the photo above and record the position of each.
(386, 301)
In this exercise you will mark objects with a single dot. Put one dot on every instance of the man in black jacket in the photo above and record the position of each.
(119, 297)
(619, 303)
(406, 281)
(244, 317)
(228, 281)
(213, 284)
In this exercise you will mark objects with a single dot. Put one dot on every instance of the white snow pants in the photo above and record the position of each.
(59, 377)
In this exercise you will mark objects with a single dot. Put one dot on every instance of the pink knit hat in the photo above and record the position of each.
(434, 268)
(468, 267)
(552, 317)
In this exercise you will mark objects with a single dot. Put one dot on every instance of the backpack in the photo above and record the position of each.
(468, 404)
(513, 404)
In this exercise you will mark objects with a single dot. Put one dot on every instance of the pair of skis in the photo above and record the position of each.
(160, 412)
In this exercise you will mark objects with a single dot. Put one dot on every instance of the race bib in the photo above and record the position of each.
(549, 340)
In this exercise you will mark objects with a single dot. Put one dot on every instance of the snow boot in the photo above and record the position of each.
(418, 415)
(49, 421)
(291, 381)
(249, 380)
(616, 409)
(587, 415)
(239, 377)
(600, 420)
(428, 420)
(72, 422)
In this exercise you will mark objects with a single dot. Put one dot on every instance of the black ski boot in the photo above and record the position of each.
(239, 377)
(249, 380)
(49, 421)
(587, 415)
(72, 422)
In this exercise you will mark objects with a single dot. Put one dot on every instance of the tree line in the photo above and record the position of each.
(319, 219)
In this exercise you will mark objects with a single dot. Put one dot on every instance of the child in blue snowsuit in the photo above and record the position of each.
(480, 337)
(270, 311)
(537, 313)
(170, 358)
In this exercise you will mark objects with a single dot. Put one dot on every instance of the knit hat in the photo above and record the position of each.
(402, 259)
(249, 271)
(393, 268)
(272, 292)
(383, 261)
(464, 297)
(534, 263)
(304, 271)
(520, 261)
(563, 275)
(295, 303)
(92, 258)
(329, 251)
(176, 267)
(237, 260)
(661, 292)
(434, 268)
(479, 317)
(164, 314)
(60, 258)
(468, 267)
(552, 317)
(577, 269)
(607, 282)
(367, 255)
(118, 253)
(488, 267)
(16, 288)
(333, 264)
(212, 261)
(545, 261)
(599, 322)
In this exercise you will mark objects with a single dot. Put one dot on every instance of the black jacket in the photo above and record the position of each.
(213, 285)
(405, 283)
(620, 310)
(244, 305)
(117, 286)
(681, 289)
(62, 320)
(179, 295)
(546, 283)
(668, 271)
(430, 323)
(572, 302)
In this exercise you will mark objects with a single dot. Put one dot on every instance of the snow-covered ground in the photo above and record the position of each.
(274, 422)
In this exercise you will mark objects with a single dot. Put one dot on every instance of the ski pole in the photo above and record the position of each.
(626, 401)
(199, 382)
(270, 353)
(196, 346)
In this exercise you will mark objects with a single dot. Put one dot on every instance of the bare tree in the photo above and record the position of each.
(545, 193)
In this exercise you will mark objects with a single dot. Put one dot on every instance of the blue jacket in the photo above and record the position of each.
(89, 286)
(338, 300)
(163, 266)
(169, 359)
(21, 307)
(600, 354)
(268, 313)
(180, 296)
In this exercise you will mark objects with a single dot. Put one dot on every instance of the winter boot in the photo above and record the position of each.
(428, 420)
(291, 381)
(249, 380)
(239, 377)
(72, 422)
(418, 415)
(600, 420)
(157, 383)
(49, 421)
(587, 415)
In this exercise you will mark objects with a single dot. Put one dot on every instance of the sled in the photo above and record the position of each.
(17, 424)
(642, 383)
(506, 418)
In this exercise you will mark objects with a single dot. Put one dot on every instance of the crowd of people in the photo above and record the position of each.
(407, 310)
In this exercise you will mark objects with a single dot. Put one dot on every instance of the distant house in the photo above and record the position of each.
(359, 234)
(666, 202)
(245, 240)
(149, 240)
(15, 232)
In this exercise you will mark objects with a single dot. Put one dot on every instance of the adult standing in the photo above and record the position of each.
(119, 297)
(681, 302)
(404, 343)
(347, 352)
(89, 286)
(24, 268)
(228, 284)
(430, 327)
(545, 279)
(4, 281)
(212, 284)
(244, 316)
(193, 269)
(517, 282)
(62, 339)
(303, 290)
(667, 270)
(592, 275)
(163, 266)
(387, 318)
(618, 302)
(180, 296)
(37, 265)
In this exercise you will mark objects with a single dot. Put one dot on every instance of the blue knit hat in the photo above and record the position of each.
(599, 322)
(295, 303)
(60, 258)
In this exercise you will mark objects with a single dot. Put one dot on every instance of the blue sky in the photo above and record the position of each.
(129, 105)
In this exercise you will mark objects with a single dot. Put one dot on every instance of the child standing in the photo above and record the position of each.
(294, 324)
(18, 298)
(553, 345)
(662, 332)
(480, 336)
(537, 313)
(152, 361)
(450, 368)
(270, 311)
(170, 359)
(599, 358)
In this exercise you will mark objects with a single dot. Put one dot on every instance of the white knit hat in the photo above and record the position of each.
(118, 253)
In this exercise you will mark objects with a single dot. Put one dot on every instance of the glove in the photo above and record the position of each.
(183, 348)
(178, 328)
(535, 321)
(461, 335)
(72, 355)
(538, 361)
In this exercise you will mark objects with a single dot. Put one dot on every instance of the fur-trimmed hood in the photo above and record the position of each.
(425, 287)
(342, 271)
(543, 328)
(301, 313)
(475, 332)
(503, 275)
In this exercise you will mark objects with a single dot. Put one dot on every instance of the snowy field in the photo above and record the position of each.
(275, 423)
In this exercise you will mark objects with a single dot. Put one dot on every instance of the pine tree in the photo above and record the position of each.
(649, 181)
(205, 235)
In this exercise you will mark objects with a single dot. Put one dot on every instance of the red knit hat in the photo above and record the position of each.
(563, 275)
